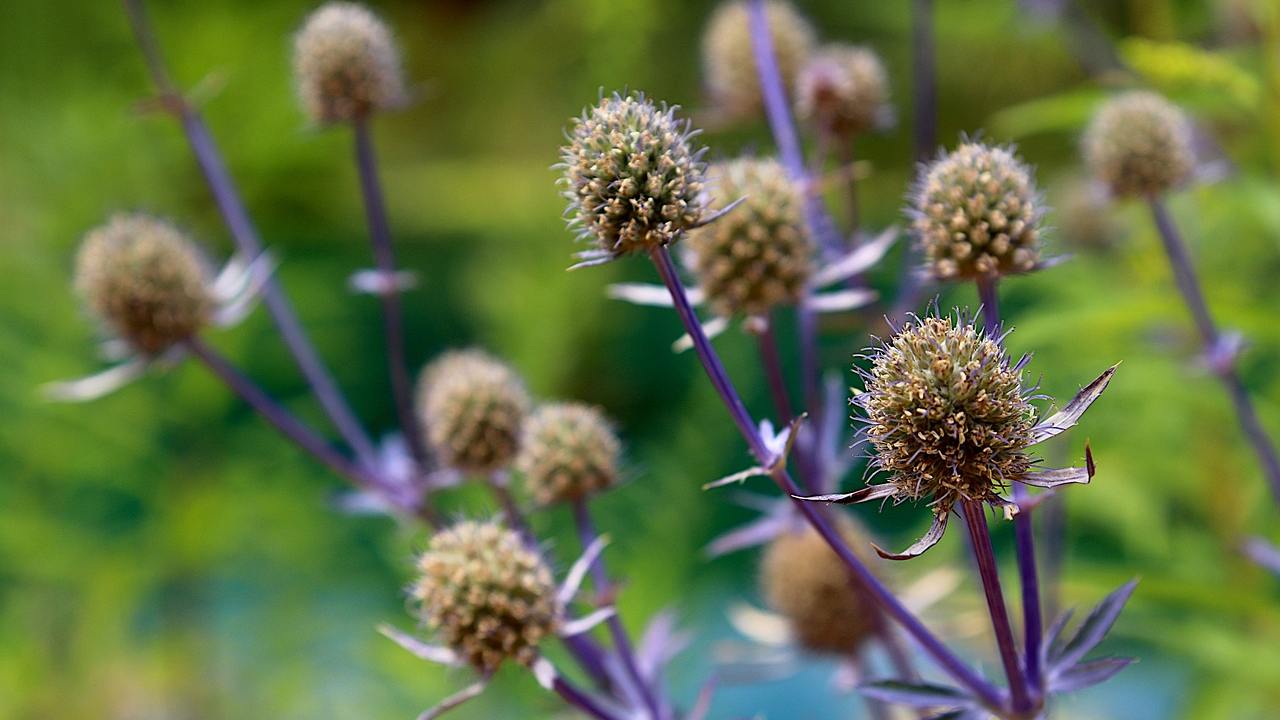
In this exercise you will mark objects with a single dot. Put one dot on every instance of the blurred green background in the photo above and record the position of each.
(164, 555)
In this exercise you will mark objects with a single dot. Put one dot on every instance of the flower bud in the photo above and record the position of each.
(729, 59)
(804, 580)
(946, 413)
(569, 451)
(346, 64)
(472, 407)
(145, 280)
(489, 597)
(1139, 144)
(844, 91)
(631, 176)
(976, 212)
(760, 255)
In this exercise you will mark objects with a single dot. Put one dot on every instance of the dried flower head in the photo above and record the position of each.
(569, 451)
(804, 580)
(728, 57)
(760, 255)
(346, 63)
(145, 280)
(472, 407)
(1139, 144)
(844, 91)
(489, 597)
(631, 175)
(976, 212)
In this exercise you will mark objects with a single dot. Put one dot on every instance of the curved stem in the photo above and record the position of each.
(1185, 277)
(392, 314)
(580, 700)
(947, 660)
(622, 643)
(233, 211)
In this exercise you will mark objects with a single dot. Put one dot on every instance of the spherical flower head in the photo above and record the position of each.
(760, 255)
(729, 60)
(976, 213)
(472, 407)
(631, 175)
(346, 64)
(489, 597)
(569, 451)
(946, 413)
(844, 91)
(1139, 144)
(804, 580)
(145, 280)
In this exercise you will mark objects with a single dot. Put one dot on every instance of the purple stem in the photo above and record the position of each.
(767, 341)
(392, 315)
(499, 487)
(1023, 531)
(976, 521)
(1185, 276)
(924, 79)
(948, 661)
(231, 205)
(580, 700)
(622, 643)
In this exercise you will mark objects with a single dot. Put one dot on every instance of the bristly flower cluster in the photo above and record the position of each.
(976, 213)
(728, 57)
(1139, 144)
(490, 598)
(346, 64)
(631, 175)
(844, 91)
(760, 255)
(569, 452)
(471, 406)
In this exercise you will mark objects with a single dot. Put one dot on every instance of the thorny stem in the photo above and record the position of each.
(580, 700)
(976, 521)
(1024, 533)
(392, 315)
(587, 534)
(1224, 367)
(231, 205)
(988, 694)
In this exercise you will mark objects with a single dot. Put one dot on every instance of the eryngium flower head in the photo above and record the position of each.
(729, 61)
(946, 413)
(569, 451)
(976, 212)
(631, 175)
(489, 597)
(844, 90)
(145, 280)
(760, 255)
(1139, 144)
(346, 64)
(803, 580)
(472, 407)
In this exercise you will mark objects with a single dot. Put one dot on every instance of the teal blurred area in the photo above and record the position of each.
(163, 554)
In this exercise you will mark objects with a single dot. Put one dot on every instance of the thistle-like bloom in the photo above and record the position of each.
(1139, 144)
(471, 406)
(728, 57)
(976, 213)
(760, 255)
(950, 422)
(844, 91)
(632, 176)
(346, 64)
(569, 451)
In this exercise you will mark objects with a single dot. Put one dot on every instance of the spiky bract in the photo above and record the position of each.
(145, 280)
(759, 255)
(472, 406)
(728, 57)
(1139, 144)
(844, 91)
(976, 212)
(804, 580)
(346, 64)
(569, 451)
(489, 597)
(946, 413)
(631, 175)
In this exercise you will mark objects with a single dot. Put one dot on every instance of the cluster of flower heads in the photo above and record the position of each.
(1139, 145)
(346, 64)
